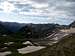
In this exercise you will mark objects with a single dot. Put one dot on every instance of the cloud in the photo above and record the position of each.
(30, 7)
(41, 1)
(62, 9)
(71, 0)
(7, 7)
(49, 10)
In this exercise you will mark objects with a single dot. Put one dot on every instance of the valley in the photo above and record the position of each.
(42, 41)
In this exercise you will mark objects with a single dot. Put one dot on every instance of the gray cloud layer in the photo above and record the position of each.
(41, 1)
(54, 9)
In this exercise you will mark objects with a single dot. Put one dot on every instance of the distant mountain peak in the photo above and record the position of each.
(72, 24)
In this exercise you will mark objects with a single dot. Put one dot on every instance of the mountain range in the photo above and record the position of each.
(39, 30)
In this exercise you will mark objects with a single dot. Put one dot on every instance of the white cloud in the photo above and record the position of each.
(7, 7)
(36, 5)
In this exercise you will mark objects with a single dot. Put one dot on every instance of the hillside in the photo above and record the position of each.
(38, 30)
(3, 30)
(12, 42)
(66, 47)
(12, 26)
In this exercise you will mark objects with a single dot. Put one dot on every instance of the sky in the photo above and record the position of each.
(37, 11)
